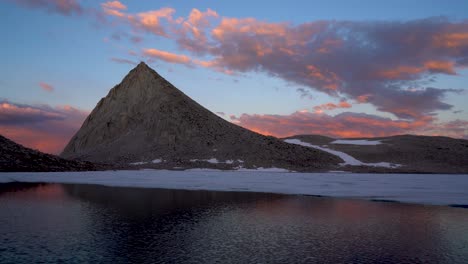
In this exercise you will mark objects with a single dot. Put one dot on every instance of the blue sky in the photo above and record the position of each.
(73, 52)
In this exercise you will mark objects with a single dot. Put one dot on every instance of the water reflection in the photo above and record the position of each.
(89, 223)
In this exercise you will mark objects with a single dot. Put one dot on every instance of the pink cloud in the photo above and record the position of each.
(41, 127)
(46, 87)
(167, 56)
(346, 125)
(116, 5)
(149, 21)
(64, 7)
(403, 54)
(331, 106)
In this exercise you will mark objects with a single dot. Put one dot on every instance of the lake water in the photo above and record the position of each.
(90, 223)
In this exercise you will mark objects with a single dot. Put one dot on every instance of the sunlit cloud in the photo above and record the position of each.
(331, 106)
(40, 127)
(379, 63)
(346, 124)
(64, 7)
(167, 56)
(46, 87)
(116, 5)
(391, 65)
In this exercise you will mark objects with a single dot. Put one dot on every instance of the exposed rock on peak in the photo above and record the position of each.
(145, 118)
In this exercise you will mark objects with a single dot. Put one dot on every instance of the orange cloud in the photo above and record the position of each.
(150, 21)
(446, 67)
(363, 98)
(451, 40)
(331, 106)
(329, 79)
(41, 127)
(167, 56)
(344, 59)
(36, 139)
(46, 87)
(250, 26)
(198, 18)
(114, 5)
(400, 72)
(433, 66)
(347, 125)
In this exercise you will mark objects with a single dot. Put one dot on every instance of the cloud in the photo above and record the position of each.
(389, 64)
(331, 106)
(41, 127)
(379, 60)
(456, 128)
(116, 5)
(46, 87)
(167, 56)
(123, 61)
(136, 39)
(63, 7)
(150, 21)
(346, 124)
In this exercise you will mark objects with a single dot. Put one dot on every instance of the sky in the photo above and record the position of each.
(336, 68)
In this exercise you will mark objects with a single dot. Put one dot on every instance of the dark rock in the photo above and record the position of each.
(14, 158)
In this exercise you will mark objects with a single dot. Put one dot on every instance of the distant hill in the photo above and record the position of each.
(145, 120)
(14, 157)
(419, 154)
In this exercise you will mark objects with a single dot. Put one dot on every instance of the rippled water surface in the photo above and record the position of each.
(89, 223)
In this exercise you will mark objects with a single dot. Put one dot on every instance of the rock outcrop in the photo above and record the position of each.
(14, 158)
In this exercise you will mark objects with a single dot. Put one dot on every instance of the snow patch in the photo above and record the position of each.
(216, 161)
(362, 142)
(138, 163)
(157, 161)
(213, 161)
(203, 169)
(348, 159)
(441, 189)
(261, 169)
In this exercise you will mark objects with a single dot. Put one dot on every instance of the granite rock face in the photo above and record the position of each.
(146, 118)
(14, 157)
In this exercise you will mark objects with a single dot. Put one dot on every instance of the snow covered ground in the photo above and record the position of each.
(414, 188)
(363, 142)
(348, 159)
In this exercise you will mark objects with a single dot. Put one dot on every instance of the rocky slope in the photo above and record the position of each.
(145, 118)
(14, 157)
(419, 154)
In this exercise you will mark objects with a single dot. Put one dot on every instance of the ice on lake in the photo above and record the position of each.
(439, 189)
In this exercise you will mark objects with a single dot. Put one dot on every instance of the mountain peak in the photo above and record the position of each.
(143, 73)
(146, 118)
(142, 65)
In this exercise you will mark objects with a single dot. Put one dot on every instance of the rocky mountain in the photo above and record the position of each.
(145, 120)
(417, 154)
(14, 157)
